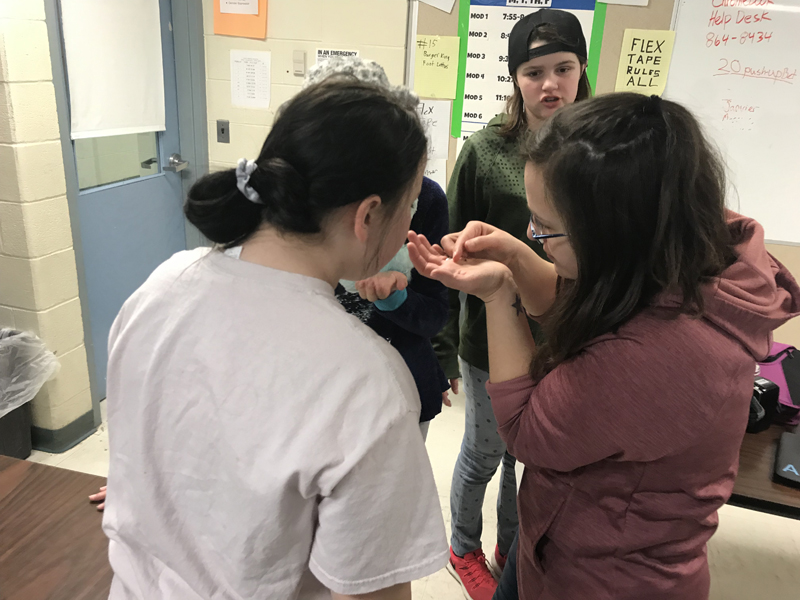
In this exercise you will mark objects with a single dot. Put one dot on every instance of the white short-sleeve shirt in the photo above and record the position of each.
(264, 444)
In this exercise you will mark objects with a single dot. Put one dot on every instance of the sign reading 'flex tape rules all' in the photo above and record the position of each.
(644, 61)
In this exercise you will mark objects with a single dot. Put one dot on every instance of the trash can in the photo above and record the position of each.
(25, 365)
(15, 432)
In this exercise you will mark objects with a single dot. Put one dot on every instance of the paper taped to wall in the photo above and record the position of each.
(241, 24)
(325, 54)
(445, 5)
(435, 115)
(436, 67)
(437, 170)
(644, 61)
(239, 7)
(250, 78)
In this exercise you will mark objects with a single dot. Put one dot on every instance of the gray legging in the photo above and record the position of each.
(507, 588)
(482, 451)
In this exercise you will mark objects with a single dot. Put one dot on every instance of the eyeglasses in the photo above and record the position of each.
(539, 237)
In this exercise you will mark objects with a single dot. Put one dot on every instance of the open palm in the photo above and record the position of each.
(477, 277)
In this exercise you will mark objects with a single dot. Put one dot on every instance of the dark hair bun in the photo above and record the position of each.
(284, 195)
(220, 211)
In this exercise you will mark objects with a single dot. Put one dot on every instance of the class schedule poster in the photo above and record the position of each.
(487, 82)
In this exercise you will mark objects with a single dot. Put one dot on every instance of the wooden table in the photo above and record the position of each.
(754, 487)
(51, 543)
(52, 546)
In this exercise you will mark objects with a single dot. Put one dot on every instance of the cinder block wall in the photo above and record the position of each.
(38, 278)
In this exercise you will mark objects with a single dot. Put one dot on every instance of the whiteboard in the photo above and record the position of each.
(488, 84)
(735, 65)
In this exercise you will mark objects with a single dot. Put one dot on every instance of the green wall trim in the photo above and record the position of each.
(596, 43)
(463, 33)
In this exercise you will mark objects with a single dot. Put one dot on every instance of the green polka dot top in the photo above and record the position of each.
(487, 185)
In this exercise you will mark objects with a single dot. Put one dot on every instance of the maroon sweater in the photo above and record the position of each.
(631, 446)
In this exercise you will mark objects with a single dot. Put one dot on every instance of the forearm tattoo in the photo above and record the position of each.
(518, 305)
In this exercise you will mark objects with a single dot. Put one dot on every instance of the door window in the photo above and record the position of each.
(115, 158)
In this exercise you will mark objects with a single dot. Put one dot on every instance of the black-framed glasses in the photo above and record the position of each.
(540, 237)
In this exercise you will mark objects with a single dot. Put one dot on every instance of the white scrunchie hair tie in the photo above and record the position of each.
(245, 168)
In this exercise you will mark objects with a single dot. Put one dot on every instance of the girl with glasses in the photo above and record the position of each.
(658, 302)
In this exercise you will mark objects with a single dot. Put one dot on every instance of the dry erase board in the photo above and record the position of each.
(735, 65)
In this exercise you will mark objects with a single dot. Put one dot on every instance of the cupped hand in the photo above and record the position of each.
(382, 285)
(477, 277)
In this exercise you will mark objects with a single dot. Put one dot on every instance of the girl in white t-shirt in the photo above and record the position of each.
(264, 443)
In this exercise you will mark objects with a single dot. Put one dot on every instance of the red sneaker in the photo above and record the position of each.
(472, 573)
(497, 565)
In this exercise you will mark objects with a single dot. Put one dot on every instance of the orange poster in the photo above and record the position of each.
(241, 25)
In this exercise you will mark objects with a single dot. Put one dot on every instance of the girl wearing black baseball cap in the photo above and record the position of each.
(547, 62)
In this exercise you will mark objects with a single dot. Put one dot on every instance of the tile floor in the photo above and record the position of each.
(752, 556)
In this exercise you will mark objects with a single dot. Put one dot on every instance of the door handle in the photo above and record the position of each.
(176, 163)
(150, 161)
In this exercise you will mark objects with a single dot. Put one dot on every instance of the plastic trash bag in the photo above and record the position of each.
(25, 365)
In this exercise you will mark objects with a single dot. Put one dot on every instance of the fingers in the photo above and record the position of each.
(381, 289)
(478, 244)
(420, 264)
(473, 230)
(419, 261)
(431, 254)
(458, 249)
(421, 239)
(454, 385)
(387, 283)
(372, 289)
(422, 255)
(101, 495)
(361, 288)
(446, 399)
(400, 281)
(448, 243)
(382, 285)
(101, 507)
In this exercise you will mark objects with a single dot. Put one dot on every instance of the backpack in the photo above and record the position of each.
(782, 369)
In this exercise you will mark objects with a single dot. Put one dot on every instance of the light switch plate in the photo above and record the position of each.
(299, 63)
(223, 132)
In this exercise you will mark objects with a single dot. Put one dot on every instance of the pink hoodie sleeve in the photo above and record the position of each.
(647, 391)
(598, 405)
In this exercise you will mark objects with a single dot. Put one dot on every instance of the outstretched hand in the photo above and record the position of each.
(478, 277)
